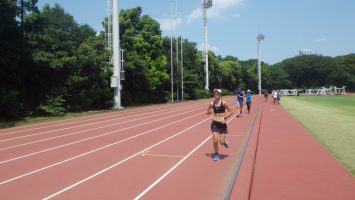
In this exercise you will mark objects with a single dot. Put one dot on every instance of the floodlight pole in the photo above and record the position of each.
(206, 4)
(116, 55)
(177, 50)
(171, 54)
(182, 72)
(259, 38)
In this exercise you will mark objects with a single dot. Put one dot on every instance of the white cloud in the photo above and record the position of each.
(215, 11)
(167, 24)
(197, 13)
(235, 15)
(320, 40)
(213, 48)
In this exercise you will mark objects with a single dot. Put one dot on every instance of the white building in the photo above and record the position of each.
(305, 52)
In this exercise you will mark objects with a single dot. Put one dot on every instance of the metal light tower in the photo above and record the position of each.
(177, 49)
(116, 78)
(171, 54)
(182, 72)
(259, 38)
(205, 5)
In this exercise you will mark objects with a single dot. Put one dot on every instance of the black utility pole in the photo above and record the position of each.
(22, 54)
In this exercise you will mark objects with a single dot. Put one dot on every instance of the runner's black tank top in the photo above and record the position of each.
(219, 109)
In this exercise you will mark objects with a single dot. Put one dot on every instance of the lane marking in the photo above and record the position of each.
(98, 122)
(85, 118)
(122, 161)
(160, 155)
(243, 150)
(177, 164)
(101, 135)
(132, 156)
(74, 133)
(93, 117)
(104, 147)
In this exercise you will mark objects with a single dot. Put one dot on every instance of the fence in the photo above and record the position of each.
(332, 90)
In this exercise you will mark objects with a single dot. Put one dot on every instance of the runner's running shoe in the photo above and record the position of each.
(216, 157)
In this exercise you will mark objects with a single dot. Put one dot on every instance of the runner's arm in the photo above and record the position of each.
(209, 109)
(230, 112)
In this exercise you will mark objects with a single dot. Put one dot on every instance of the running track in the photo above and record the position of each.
(154, 152)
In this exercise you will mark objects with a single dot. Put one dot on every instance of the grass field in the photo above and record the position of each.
(331, 120)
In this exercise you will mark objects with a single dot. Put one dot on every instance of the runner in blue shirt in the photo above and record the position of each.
(248, 100)
(240, 96)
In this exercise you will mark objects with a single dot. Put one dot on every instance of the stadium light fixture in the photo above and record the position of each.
(259, 38)
(205, 5)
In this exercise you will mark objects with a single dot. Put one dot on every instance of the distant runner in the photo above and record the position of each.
(266, 94)
(240, 96)
(278, 96)
(274, 96)
(218, 125)
(248, 100)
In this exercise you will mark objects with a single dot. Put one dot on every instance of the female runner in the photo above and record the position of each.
(218, 125)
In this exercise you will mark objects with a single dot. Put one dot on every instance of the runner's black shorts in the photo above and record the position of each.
(219, 127)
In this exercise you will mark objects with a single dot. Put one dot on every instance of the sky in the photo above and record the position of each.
(327, 27)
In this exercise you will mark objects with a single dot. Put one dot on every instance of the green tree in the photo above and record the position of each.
(67, 60)
(9, 60)
(142, 42)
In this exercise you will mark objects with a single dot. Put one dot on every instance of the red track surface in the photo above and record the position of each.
(164, 152)
(157, 152)
(284, 162)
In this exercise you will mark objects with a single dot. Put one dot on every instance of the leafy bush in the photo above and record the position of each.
(52, 106)
(202, 93)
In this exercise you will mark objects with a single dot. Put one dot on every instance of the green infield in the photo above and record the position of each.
(331, 120)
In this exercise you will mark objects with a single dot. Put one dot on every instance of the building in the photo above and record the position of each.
(305, 52)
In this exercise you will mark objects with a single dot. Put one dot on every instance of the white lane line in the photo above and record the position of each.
(94, 137)
(78, 132)
(88, 124)
(88, 118)
(106, 146)
(80, 119)
(172, 169)
(122, 161)
(177, 164)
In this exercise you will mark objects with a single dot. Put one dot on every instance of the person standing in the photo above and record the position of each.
(219, 125)
(274, 96)
(240, 96)
(248, 100)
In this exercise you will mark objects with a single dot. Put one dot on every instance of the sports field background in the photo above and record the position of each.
(331, 120)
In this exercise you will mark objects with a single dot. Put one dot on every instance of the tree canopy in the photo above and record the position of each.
(50, 64)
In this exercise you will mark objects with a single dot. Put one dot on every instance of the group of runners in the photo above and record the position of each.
(222, 112)
(276, 96)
